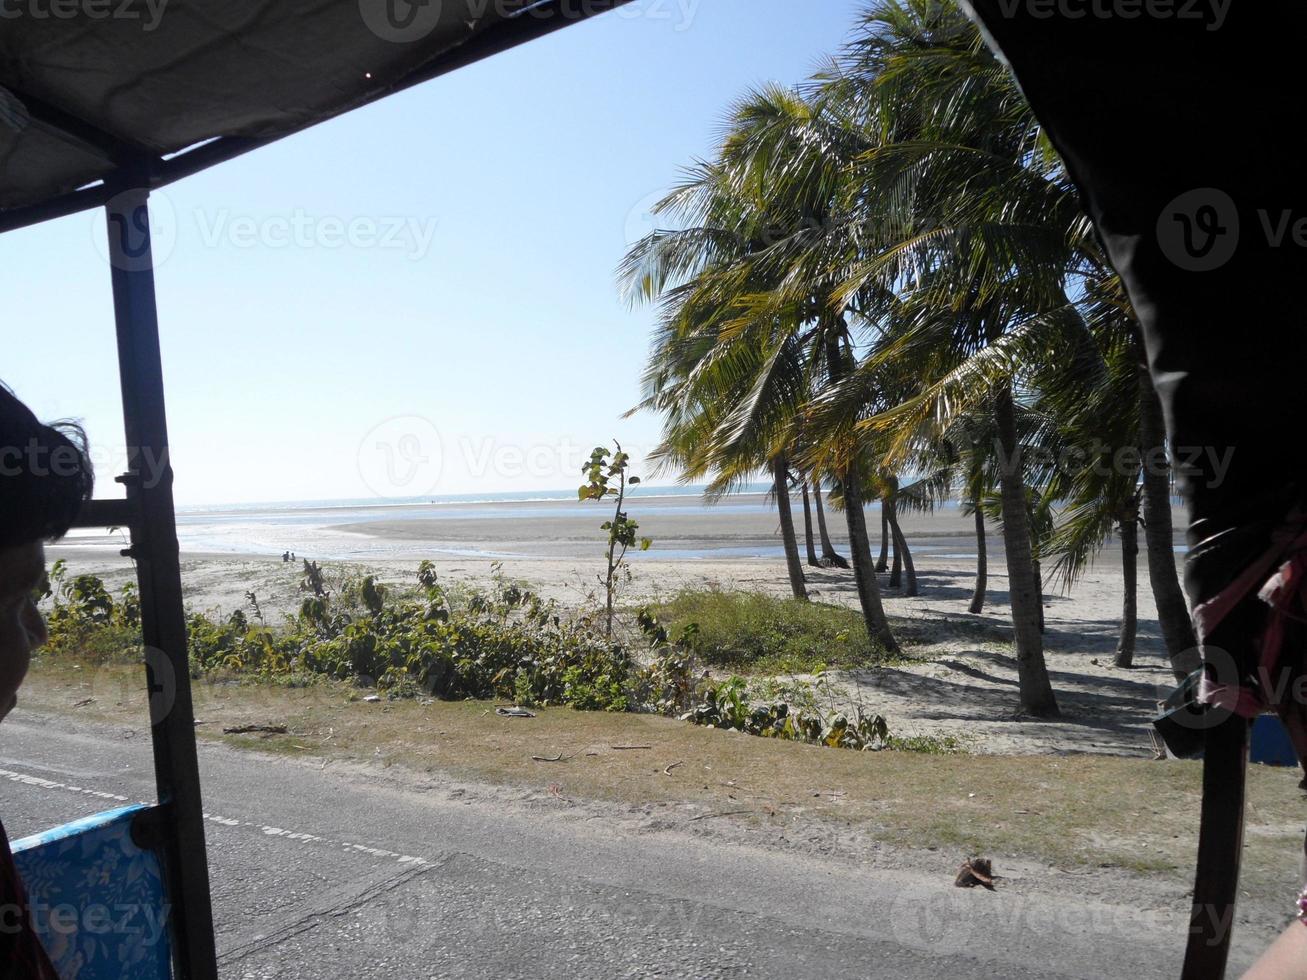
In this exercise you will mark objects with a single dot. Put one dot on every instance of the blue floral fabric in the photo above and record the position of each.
(97, 900)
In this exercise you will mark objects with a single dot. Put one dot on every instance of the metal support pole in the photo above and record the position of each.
(1220, 848)
(154, 547)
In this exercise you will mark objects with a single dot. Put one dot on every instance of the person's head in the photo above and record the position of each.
(45, 476)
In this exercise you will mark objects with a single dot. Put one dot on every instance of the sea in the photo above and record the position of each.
(505, 526)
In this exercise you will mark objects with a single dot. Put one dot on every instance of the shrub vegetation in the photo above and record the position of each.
(760, 634)
(506, 642)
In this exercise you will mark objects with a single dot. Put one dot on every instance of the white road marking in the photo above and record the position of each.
(299, 837)
(20, 777)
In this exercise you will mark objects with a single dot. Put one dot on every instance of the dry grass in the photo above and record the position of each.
(1070, 811)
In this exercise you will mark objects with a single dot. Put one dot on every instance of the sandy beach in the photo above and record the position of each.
(962, 681)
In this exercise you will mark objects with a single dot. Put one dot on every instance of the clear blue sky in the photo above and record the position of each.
(493, 313)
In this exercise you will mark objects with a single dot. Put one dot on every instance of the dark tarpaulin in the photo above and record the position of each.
(88, 97)
(1176, 128)
(1181, 124)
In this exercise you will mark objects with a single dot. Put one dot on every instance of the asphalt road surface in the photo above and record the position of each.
(318, 874)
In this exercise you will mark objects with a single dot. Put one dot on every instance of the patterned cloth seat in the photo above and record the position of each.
(97, 897)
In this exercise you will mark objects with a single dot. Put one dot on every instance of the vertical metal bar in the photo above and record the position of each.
(154, 546)
(1220, 848)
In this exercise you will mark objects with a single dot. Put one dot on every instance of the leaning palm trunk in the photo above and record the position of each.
(887, 531)
(780, 470)
(1032, 672)
(982, 564)
(864, 569)
(807, 527)
(901, 549)
(828, 552)
(1172, 610)
(1125, 644)
(882, 563)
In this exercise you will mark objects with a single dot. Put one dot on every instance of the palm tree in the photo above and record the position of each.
(1172, 609)
(1092, 399)
(867, 263)
(977, 234)
(891, 495)
(747, 373)
(935, 212)
(1104, 396)
(961, 460)
(977, 604)
(1128, 527)
(882, 562)
(813, 560)
(828, 553)
(793, 566)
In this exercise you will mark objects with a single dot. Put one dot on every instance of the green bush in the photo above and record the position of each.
(507, 642)
(925, 744)
(729, 706)
(86, 620)
(755, 633)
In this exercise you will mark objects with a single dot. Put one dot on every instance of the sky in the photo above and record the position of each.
(418, 298)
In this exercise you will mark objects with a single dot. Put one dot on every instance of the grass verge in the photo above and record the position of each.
(752, 633)
(1073, 812)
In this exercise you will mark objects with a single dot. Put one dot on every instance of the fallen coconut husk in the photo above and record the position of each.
(975, 871)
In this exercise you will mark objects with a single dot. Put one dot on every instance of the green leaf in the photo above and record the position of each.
(646, 544)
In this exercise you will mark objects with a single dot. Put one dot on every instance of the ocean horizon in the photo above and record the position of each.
(640, 492)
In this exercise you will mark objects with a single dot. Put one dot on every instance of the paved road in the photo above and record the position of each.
(322, 875)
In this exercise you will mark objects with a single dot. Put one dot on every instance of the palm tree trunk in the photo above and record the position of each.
(882, 563)
(864, 569)
(807, 526)
(1039, 591)
(887, 534)
(901, 548)
(982, 564)
(828, 552)
(1125, 644)
(781, 472)
(1172, 610)
(1032, 672)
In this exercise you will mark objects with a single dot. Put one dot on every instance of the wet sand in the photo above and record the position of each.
(682, 528)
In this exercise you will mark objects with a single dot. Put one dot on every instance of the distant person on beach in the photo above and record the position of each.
(45, 476)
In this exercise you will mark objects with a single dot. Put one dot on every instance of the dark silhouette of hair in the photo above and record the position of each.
(45, 474)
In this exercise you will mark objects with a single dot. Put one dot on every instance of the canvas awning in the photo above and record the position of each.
(97, 94)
